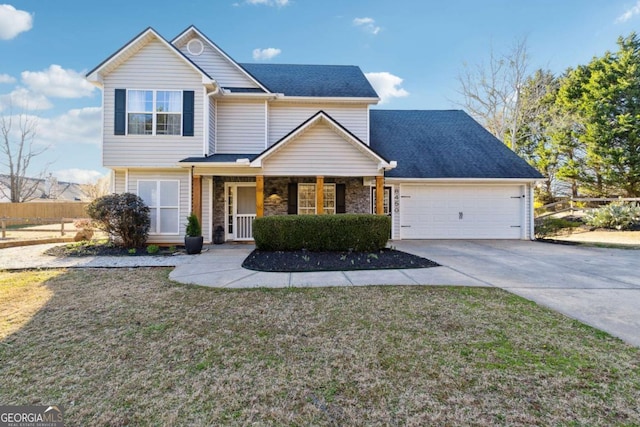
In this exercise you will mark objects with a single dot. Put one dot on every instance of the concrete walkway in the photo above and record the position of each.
(221, 268)
(600, 287)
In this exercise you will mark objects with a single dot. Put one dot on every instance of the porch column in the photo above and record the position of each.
(379, 195)
(196, 198)
(320, 195)
(259, 196)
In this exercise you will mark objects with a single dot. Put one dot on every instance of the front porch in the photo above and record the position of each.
(232, 202)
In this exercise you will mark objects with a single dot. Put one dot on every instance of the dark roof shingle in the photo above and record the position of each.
(442, 144)
(312, 80)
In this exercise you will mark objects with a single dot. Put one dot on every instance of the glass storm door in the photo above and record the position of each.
(241, 211)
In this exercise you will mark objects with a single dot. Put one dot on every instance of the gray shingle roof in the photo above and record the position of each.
(312, 80)
(442, 144)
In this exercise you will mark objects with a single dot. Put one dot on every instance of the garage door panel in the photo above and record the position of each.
(434, 212)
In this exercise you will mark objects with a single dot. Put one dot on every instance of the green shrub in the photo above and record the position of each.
(153, 249)
(123, 216)
(193, 226)
(345, 232)
(617, 215)
(550, 226)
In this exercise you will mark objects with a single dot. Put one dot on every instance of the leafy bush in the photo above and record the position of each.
(618, 215)
(550, 226)
(193, 226)
(123, 216)
(345, 232)
(153, 249)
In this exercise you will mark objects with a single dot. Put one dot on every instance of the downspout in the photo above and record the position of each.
(191, 189)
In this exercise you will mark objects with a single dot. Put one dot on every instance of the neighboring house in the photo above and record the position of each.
(48, 189)
(190, 130)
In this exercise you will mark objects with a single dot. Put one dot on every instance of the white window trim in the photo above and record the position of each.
(153, 113)
(315, 207)
(157, 181)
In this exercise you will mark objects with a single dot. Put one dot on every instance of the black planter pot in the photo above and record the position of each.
(193, 245)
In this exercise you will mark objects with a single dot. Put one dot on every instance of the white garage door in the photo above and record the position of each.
(461, 212)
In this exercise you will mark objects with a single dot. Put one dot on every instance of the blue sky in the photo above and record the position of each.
(415, 49)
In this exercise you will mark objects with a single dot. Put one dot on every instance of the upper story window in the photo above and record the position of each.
(154, 112)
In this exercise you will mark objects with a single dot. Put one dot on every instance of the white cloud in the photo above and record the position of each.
(77, 126)
(6, 78)
(13, 21)
(58, 83)
(629, 13)
(387, 85)
(367, 24)
(22, 99)
(79, 176)
(278, 3)
(265, 54)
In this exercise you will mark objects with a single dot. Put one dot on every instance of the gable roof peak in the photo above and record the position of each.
(182, 38)
(133, 46)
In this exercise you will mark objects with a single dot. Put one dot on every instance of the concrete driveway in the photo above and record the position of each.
(600, 287)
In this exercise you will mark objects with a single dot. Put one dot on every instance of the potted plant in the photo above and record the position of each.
(193, 237)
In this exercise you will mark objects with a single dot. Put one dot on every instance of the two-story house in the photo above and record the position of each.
(189, 129)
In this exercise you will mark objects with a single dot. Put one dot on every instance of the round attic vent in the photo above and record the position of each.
(195, 47)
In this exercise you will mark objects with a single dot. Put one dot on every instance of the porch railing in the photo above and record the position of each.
(244, 226)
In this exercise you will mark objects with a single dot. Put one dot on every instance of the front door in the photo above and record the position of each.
(241, 210)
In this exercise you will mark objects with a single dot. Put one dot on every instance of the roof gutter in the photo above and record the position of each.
(461, 180)
(238, 163)
(320, 99)
(245, 95)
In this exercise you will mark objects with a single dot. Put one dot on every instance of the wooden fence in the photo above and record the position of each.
(57, 225)
(35, 210)
(577, 203)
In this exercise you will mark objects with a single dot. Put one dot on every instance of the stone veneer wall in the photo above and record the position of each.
(357, 197)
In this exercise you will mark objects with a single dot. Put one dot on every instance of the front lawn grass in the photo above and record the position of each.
(130, 347)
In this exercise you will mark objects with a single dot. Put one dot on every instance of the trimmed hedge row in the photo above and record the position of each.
(345, 232)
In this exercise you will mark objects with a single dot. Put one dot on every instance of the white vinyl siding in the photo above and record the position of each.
(285, 117)
(228, 171)
(212, 126)
(120, 179)
(395, 216)
(219, 68)
(240, 127)
(184, 205)
(528, 212)
(320, 151)
(154, 67)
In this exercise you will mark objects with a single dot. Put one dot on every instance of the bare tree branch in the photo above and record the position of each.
(491, 92)
(18, 133)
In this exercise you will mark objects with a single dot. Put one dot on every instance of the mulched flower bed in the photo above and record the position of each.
(300, 261)
(82, 249)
